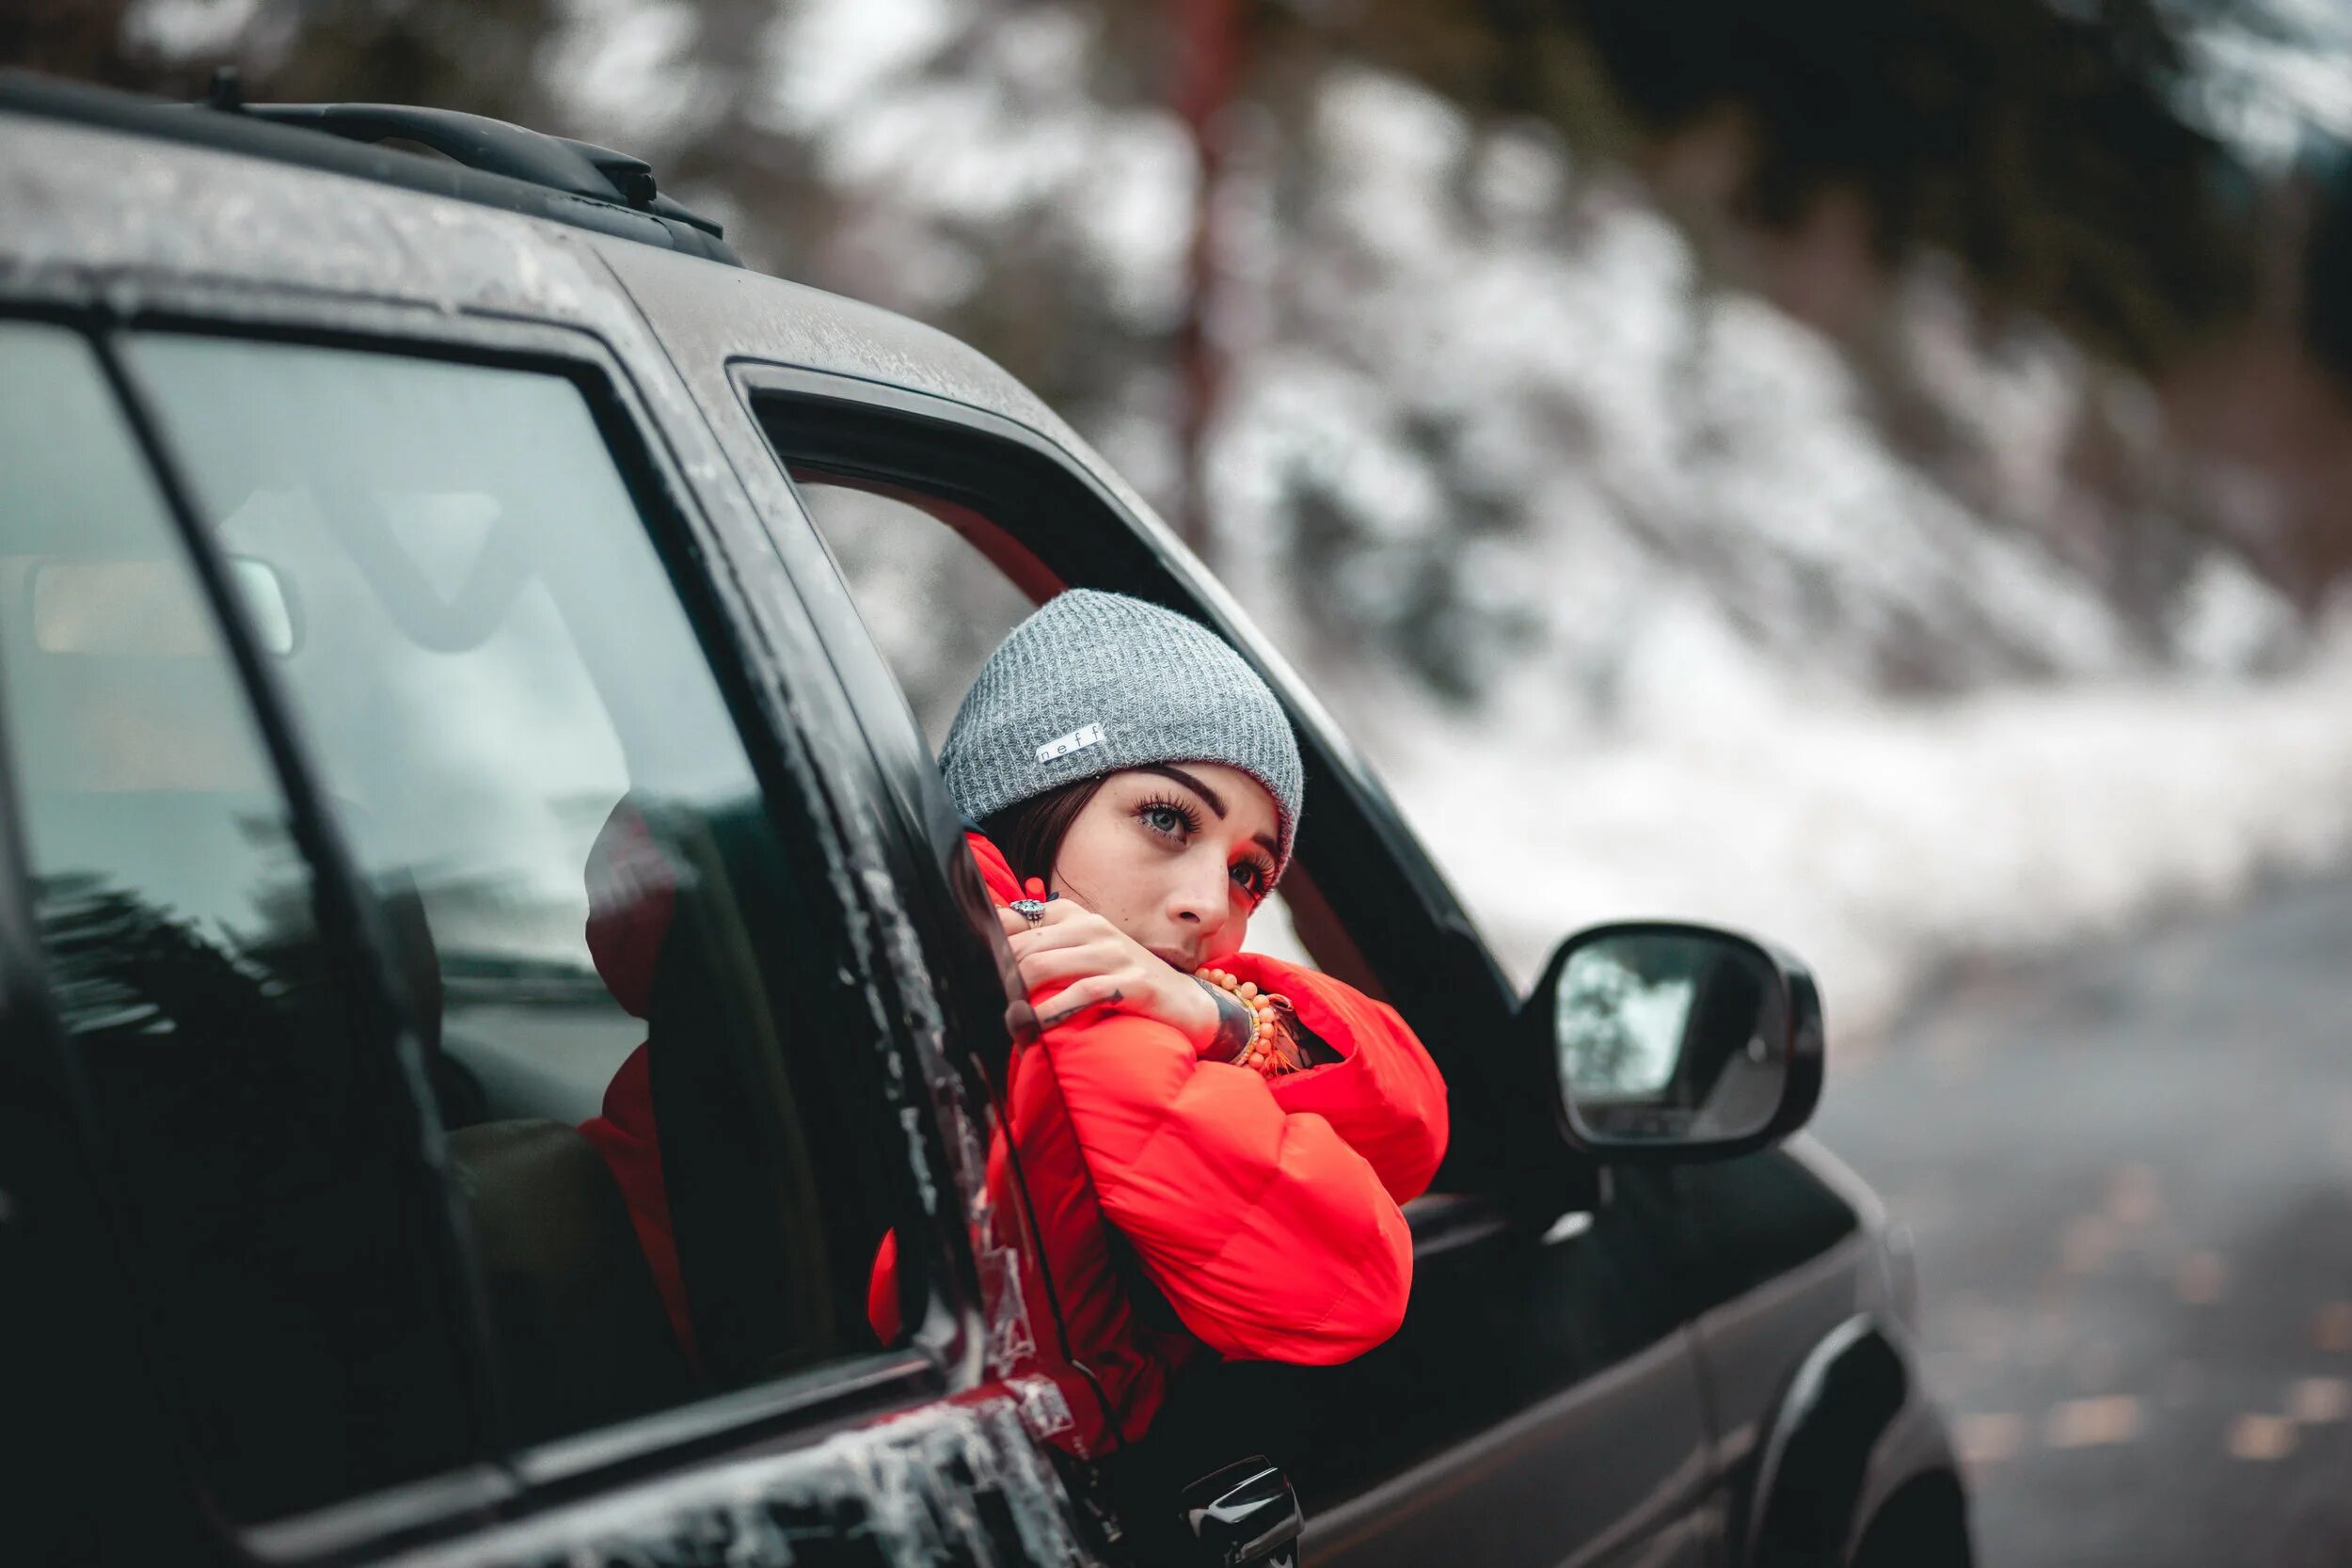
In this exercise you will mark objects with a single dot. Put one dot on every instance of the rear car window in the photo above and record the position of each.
(660, 1133)
(624, 976)
(267, 1185)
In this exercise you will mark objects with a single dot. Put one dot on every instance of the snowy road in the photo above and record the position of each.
(2131, 1182)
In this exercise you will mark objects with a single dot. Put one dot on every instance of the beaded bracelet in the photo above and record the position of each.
(1269, 1050)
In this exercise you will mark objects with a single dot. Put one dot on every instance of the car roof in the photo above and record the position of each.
(488, 161)
(93, 205)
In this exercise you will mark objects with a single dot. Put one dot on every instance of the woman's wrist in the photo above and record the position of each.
(1235, 1023)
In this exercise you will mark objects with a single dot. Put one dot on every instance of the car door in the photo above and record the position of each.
(391, 780)
(1541, 1404)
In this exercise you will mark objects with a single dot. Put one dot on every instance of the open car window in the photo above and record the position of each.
(997, 503)
(938, 583)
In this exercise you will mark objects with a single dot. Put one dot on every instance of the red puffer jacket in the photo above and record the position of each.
(1266, 1212)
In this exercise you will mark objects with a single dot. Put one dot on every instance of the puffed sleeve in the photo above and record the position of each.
(1384, 1097)
(1271, 1236)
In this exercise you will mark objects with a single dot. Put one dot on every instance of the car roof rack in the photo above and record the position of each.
(489, 162)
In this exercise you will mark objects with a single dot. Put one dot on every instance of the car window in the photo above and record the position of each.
(263, 1157)
(933, 602)
(938, 584)
(629, 980)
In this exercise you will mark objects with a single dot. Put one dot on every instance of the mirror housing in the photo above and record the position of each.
(1670, 1041)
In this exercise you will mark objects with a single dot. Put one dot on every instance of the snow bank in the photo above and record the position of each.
(1880, 842)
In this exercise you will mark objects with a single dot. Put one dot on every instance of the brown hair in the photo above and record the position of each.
(1029, 833)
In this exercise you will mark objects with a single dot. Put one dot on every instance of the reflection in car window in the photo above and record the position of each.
(274, 1204)
(536, 768)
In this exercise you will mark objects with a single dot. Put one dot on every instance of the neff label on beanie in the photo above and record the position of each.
(1076, 740)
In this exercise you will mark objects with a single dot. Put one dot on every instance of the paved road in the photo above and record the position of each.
(2131, 1182)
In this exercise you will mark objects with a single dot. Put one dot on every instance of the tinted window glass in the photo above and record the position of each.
(625, 983)
(255, 1130)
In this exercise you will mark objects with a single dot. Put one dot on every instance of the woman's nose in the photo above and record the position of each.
(1200, 898)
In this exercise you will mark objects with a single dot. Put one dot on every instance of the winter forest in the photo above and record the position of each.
(1663, 431)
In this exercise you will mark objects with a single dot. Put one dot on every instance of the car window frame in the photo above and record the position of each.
(35, 1055)
(501, 1477)
(873, 430)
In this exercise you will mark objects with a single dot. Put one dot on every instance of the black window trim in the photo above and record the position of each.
(868, 429)
(38, 1059)
(506, 1478)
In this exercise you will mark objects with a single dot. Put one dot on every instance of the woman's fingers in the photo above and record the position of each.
(1094, 992)
(1044, 939)
(1055, 914)
(1070, 964)
(1014, 921)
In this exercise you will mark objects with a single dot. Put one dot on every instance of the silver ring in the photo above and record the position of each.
(1030, 910)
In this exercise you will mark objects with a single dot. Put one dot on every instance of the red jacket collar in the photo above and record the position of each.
(995, 870)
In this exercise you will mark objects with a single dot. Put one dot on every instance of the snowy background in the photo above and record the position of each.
(1909, 634)
(1610, 563)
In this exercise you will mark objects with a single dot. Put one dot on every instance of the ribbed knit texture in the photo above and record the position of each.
(1161, 687)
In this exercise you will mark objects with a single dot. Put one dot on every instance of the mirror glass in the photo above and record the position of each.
(142, 608)
(1670, 1037)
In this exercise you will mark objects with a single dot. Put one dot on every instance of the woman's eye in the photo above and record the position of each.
(1163, 819)
(1250, 879)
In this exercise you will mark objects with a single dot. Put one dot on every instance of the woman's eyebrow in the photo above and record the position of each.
(1216, 802)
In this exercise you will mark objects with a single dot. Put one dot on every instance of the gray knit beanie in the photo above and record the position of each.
(1093, 682)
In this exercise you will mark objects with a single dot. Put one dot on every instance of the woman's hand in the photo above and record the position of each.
(1106, 968)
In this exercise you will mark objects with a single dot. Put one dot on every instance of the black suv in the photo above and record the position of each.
(460, 626)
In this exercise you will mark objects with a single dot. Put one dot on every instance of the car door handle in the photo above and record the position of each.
(1245, 1514)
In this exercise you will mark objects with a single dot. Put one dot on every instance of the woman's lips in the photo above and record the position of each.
(1175, 959)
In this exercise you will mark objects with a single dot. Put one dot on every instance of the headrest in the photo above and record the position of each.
(632, 893)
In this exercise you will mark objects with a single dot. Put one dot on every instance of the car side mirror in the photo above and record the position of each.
(1675, 1041)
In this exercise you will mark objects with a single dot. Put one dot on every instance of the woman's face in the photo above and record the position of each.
(1175, 855)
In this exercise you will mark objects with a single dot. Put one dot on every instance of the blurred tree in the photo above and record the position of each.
(2043, 145)
(84, 39)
